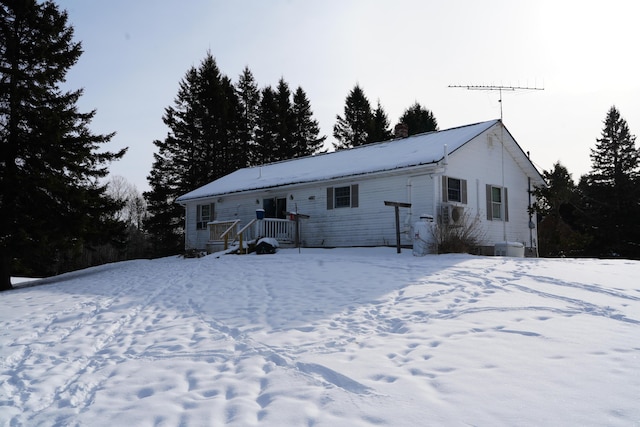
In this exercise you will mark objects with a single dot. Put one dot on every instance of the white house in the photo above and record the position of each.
(474, 171)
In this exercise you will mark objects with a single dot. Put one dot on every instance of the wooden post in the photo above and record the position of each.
(297, 217)
(397, 206)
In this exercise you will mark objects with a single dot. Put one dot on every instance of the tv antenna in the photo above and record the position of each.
(498, 88)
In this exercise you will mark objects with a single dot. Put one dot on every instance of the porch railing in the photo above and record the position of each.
(283, 230)
(244, 235)
(220, 231)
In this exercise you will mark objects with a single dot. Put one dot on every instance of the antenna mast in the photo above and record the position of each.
(498, 88)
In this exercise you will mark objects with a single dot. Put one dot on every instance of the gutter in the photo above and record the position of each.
(442, 170)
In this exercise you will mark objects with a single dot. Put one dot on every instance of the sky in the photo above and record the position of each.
(582, 54)
(357, 337)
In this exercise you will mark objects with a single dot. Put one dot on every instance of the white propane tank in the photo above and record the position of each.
(423, 235)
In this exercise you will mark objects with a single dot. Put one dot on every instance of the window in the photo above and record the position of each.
(342, 197)
(204, 215)
(454, 190)
(497, 203)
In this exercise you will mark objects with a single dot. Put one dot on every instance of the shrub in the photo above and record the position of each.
(465, 236)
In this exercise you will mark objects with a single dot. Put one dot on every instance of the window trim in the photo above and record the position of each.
(445, 190)
(504, 203)
(332, 197)
(201, 221)
(342, 197)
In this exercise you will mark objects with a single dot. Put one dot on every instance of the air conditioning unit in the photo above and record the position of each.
(452, 214)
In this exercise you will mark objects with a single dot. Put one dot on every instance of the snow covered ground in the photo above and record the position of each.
(333, 337)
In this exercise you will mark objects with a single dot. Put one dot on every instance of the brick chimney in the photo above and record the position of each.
(401, 130)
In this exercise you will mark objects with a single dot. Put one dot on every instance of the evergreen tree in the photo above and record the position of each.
(165, 221)
(557, 205)
(379, 129)
(249, 99)
(51, 203)
(286, 129)
(418, 119)
(611, 190)
(615, 159)
(353, 129)
(175, 161)
(285, 122)
(237, 153)
(306, 129)
(202, 145)
(268, 128)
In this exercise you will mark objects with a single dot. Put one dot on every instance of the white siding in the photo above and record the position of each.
(479, 162)
(191, 239)
(370, 224)
(194, 238)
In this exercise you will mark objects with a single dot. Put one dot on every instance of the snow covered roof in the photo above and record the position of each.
(422, 149)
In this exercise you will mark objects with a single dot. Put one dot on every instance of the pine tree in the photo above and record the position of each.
(418, 119)
(285, 122)
(615, 159)
(268, 127)
(353, 129)
(164, 223)
(249, 99)
(219, 114)
(611, 190)
(202, 144)
(379, 129)
(236, 152)
(175, 162)
(52, 204)
(557, 204)
(306, 129)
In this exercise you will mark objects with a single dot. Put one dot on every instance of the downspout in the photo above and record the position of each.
(530, 218)
(445, 163)
(442, 170)
(446, 158)
(532, 225)
(504, 212)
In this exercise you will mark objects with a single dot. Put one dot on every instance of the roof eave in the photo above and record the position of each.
(435, 165)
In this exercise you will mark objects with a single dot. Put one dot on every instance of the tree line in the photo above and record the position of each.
(59, 214)
(217, 126)
(360, 124)
(58, 211)
(598, 216)
(53, 201)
